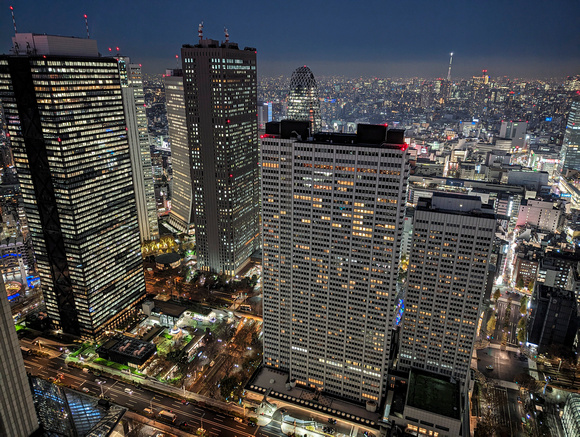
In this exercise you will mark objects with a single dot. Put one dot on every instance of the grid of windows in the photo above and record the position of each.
(181, 211)
(140, 152)
(332, 218)
(220, 90)
(445, 286)
(67, 126)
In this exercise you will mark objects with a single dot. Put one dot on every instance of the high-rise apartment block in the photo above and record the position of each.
(140, 151)
(17, 414)
(333, 208)
(447, 273)
(303, 101)
(570, 152)
(181, 217)
(220, 90)
(64, 112)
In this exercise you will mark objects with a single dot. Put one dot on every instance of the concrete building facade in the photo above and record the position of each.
(140, 151)
(332, 211)
(447, 275)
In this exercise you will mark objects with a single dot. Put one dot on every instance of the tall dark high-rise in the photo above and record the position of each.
(64, 112)
(303, 102)
(220, 92)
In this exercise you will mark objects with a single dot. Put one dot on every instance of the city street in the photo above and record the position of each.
(506, 364)
(215, 423)
(515, 317)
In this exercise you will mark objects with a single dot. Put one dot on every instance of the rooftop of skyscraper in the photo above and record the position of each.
(434, 393)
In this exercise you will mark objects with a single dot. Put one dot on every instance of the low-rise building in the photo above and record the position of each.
(125, 350)
(539, 213)
(430, 406)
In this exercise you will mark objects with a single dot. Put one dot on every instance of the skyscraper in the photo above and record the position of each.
(220, 104)
(140, 152)
(64, 112)
(570, 153)
(181, 216)
(17, 415)
(332, 213)
(303, 103)
(452, 242)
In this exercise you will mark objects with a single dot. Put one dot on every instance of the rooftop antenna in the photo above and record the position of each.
(87, 26)
(449, 71)
(227, 35)
(200, 31)
(177, 61)
(13, 19)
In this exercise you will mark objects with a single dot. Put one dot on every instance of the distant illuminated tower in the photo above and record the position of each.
(303, 103)
(449, 71)
(570, 153)
(140, 153)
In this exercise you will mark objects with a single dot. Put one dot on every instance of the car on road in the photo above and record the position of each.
(86, 389)
(149, 410)
(184, 402)
(251, 424)
(332, 421)
(128, 391)
(238, 419)
(489, 367)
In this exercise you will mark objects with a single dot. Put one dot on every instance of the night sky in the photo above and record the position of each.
(407, 38)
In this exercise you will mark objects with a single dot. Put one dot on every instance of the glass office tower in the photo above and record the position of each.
(303, 102)
(64, 112)
(570, 153)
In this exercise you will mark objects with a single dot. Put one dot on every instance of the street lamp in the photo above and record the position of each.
(151, 403)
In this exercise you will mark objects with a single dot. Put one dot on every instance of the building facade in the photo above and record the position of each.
(64, 112)
(181, 215)
(332, 212)
(570, 152)
(139, 149)
(220, 88)
(516, 131)
(17, 415)
(554, 318)
(571, 416)
(541, 214)
(446, 279)
(303, 101)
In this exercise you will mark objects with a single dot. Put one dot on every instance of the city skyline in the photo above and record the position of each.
(504, 39)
